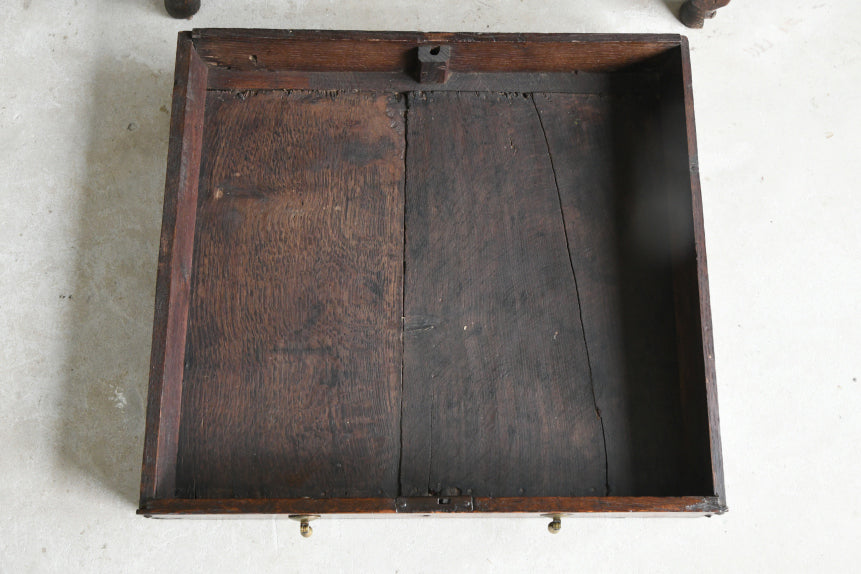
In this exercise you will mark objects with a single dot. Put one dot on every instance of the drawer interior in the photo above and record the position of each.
(448, 290)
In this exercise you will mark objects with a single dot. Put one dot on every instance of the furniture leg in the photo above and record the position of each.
(182, 8)
(694, 12)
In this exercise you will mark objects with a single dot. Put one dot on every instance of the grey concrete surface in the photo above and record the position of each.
(84, 105)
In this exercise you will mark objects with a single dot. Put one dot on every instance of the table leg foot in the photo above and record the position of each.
(182, 8)
(693, 13)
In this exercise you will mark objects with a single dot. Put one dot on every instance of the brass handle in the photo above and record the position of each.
(304, 527)
(555, 524)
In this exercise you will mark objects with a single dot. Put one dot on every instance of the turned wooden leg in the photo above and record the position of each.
(694, 12)
(182, 8)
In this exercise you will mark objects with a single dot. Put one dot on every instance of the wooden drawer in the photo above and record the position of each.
(431, 273)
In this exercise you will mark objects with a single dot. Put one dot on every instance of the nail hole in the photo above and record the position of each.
(435, 50)
(253, 58)
(443, 500)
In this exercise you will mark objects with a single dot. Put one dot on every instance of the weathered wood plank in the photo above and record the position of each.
(158, 472)
(609, 168)
(292, 384)
(497, 394)
(338, 51)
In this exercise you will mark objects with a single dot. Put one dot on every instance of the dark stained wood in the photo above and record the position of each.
(611, 504)
(350, 222)
(640, 505)
(693, 311)
(182, 8)
(497, 392)
(693, 13)
(607, 156)
(423, 37)
(434, 504)
(292, 380)
(433, 64)
(704, 328)
(324, 51)
(174, 270)
(582, 82)
(185, 506)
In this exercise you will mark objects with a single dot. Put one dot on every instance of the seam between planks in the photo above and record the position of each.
(403, 293)
(577, 291)
(432, 410)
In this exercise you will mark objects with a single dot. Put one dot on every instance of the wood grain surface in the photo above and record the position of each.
(158, 472)
(292, 376)
(497, 393)
(691, 286)
(489, 296)
(512, 506)
(339, 51)
(609, 166)
(582, 82)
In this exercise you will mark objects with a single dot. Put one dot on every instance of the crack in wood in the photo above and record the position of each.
(406, 113)
(579, 302)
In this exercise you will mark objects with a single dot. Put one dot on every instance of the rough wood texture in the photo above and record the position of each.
(608, 165)
(181, 506)
(332, 51)
(699, 389)
(498, 399)
(552, 207)
(583, 82)
(292, 379)
(174, 270)
(433, 64)
(613, 504)
(515, 506)
(693, 13)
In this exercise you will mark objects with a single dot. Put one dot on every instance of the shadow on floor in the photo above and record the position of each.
(674, 6)
(119, 218)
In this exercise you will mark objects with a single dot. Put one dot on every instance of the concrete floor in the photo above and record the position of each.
(84, 97)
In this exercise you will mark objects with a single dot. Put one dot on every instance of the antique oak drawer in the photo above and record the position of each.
(431, 273)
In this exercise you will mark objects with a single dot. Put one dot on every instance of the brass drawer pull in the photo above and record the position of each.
(304, 527)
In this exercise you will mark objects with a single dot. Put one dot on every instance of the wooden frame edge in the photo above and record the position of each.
(630, 505)
(702, 280)
(416, 36)
(363, 51)
(173, 279)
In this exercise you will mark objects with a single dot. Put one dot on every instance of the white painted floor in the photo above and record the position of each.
(85, 90)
